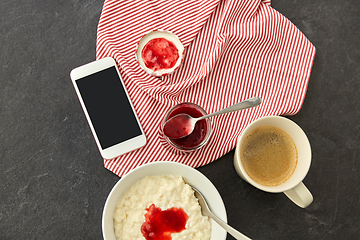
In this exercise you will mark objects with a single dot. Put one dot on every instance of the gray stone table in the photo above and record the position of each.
(52, 181)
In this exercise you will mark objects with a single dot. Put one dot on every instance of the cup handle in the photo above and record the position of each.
(300, 195)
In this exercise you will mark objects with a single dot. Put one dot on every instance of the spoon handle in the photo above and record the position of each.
(233, 232)
(249, 103)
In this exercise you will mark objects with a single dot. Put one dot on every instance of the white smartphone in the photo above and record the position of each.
(108, 109)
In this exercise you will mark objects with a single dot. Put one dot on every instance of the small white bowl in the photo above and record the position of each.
(190, 175)
(159, 34)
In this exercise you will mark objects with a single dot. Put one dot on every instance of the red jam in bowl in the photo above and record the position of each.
(201, 132)
(159, 53)
(159, 224)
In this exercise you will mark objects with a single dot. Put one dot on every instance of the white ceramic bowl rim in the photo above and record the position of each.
(190, 175)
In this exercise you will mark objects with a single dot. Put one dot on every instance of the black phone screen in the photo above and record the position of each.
(108, 107)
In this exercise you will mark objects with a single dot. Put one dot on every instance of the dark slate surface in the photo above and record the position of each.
(52, 181)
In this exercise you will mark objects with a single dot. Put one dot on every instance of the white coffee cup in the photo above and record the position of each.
(293, 188)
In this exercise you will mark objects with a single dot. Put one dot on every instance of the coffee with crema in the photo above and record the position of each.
(268, 155)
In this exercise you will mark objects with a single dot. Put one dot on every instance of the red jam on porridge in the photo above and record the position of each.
(160, 207)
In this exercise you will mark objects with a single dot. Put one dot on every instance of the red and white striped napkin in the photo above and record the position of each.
(234, 50)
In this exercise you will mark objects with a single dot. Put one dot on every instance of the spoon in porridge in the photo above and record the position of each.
(207, 212)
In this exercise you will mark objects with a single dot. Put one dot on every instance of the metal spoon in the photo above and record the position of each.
(183, 124)
(207, 212)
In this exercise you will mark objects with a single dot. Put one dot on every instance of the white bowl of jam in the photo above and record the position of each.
(159, 53)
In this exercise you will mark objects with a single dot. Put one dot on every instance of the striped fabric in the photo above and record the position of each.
(234, 50)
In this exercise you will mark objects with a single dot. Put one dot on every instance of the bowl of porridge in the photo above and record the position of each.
(155, 201)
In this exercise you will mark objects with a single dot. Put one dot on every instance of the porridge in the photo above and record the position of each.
(160, 207)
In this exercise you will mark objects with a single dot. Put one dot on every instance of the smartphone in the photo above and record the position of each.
(108, 109)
